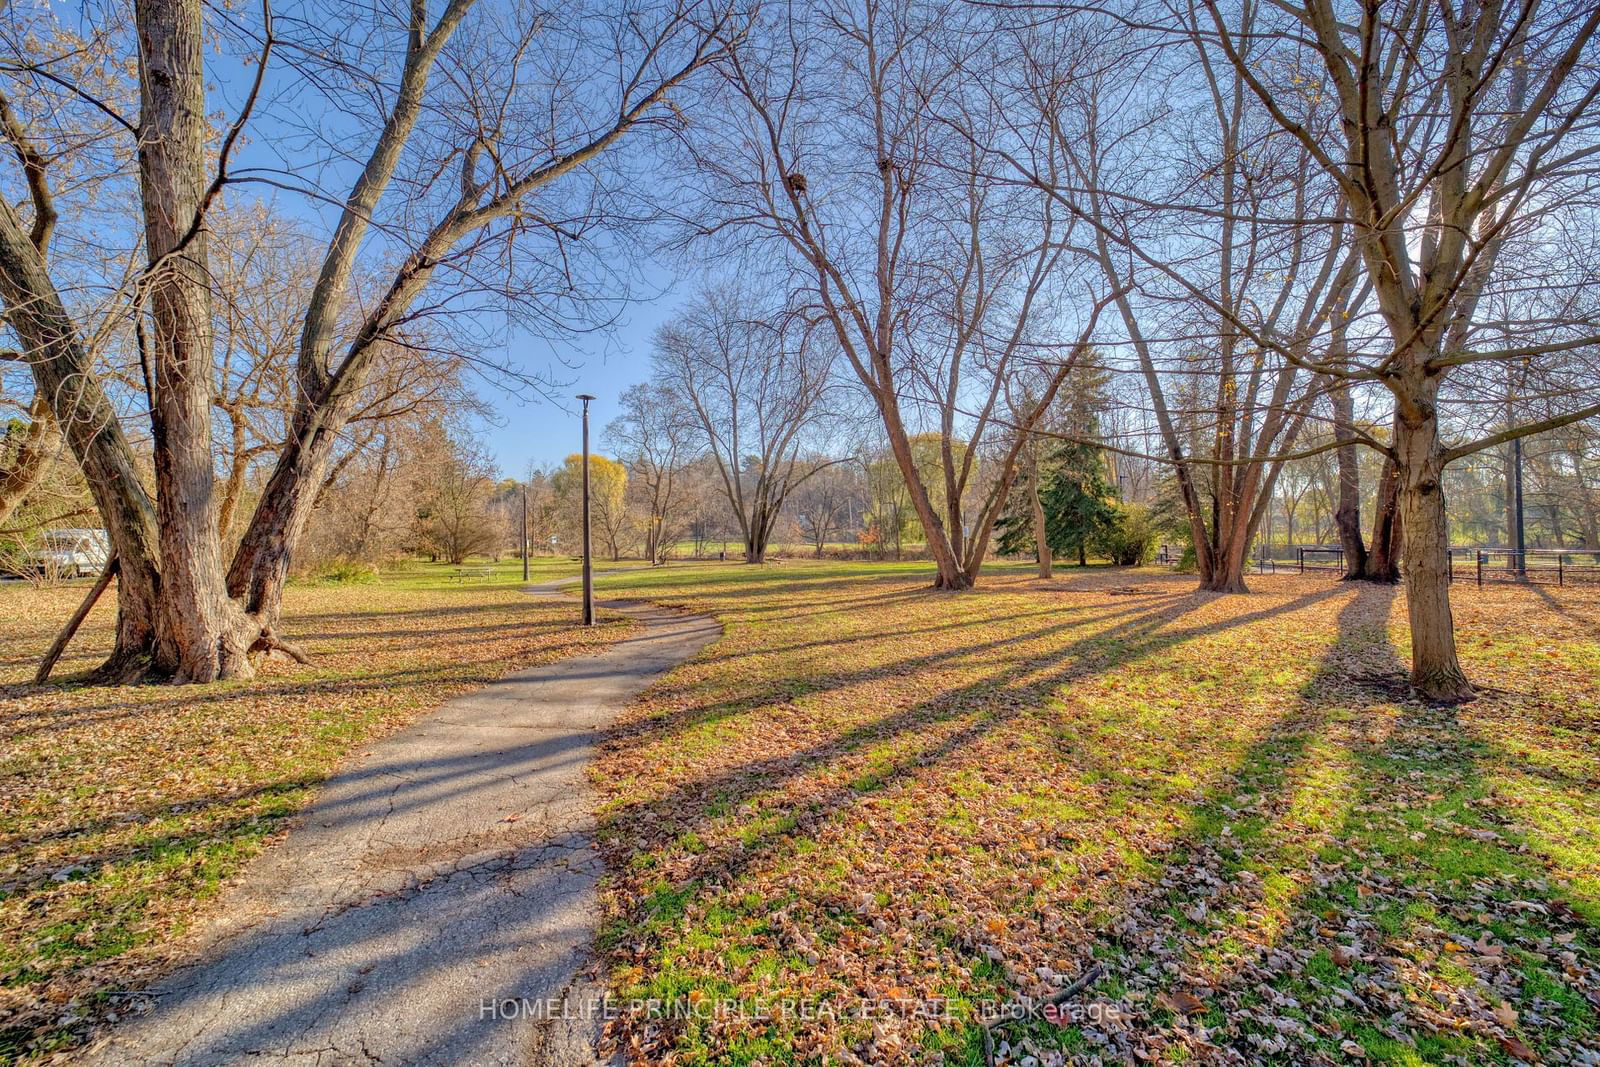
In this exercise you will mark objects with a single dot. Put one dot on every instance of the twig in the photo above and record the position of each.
(1066, 993)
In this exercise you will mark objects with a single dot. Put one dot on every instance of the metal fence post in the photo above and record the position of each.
(1480, 569)
(1561, 578)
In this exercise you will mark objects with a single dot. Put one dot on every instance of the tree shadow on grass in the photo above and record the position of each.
(790, 797)
(1199, 924)
(1360, 899)
(1307, 867)
(762, 692)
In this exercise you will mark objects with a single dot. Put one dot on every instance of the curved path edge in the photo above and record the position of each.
(437, 891)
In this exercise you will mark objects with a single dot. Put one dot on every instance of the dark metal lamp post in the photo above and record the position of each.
(588, 570)
(1519, 542)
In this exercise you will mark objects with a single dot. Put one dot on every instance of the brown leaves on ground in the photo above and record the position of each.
(869, 795)
(123, 809)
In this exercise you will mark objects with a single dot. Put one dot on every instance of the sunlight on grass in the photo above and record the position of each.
(1230, 799)
(123, 810)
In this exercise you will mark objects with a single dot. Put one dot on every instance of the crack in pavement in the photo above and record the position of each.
(403, 907)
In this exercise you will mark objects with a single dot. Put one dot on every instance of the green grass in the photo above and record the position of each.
(124, 811)
(1231, 798)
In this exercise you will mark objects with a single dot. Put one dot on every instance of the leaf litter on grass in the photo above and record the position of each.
(123, 810)
(872, 812)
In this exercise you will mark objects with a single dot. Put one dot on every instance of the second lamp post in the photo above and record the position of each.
(588, 570)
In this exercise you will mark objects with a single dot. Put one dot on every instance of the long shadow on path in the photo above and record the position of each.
(449, 870)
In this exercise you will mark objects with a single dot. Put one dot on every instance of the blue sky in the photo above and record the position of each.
(519, 430)
(540, 432)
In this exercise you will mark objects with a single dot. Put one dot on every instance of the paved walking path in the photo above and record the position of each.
(449, 868)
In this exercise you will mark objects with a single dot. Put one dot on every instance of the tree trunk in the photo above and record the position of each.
(63, 373)
(1347, 515)
(755, 540)
(1510, 509)
(1435, 670)
(950, 573)
(261, 564)
(1383, 558)
(1041, 535)
(233, 487)
(201, 635)
(1227, 572)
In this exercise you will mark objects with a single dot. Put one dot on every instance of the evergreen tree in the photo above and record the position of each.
(1078, 500)
(1079, 504)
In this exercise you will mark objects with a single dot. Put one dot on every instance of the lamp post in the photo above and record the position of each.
(524, 531)
(588, 571)
(1519, 543)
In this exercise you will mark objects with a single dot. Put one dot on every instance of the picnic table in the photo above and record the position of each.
(474, 570)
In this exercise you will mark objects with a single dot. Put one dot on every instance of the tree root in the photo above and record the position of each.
(269, 642)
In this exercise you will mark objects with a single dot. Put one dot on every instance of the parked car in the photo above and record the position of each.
(70, 553)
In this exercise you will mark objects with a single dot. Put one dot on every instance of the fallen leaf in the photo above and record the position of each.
(1516, 1048)
(1180, 1003)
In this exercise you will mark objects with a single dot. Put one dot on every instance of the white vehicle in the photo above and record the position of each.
(70, 553)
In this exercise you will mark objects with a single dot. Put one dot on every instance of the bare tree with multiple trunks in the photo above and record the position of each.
(757, 382)
(848, 145)
(1194, 208)
(479, 181)
(1462, 142)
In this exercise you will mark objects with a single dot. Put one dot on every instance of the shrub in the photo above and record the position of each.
(1130, 538)
(344, 572)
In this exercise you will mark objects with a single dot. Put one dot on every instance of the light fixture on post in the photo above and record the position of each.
(588, 570)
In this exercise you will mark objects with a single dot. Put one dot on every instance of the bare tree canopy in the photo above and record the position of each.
(757, 381)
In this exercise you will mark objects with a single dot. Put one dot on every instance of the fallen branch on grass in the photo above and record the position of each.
(46, 665)
(1028, 1009)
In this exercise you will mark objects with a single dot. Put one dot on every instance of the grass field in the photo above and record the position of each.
(123, 810)
(871, 810)
(871, 813)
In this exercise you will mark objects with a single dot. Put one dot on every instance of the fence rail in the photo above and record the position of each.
(1478, 566)
(1543, 566)
(1305, 559)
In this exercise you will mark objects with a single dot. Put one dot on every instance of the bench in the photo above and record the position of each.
(473, 571)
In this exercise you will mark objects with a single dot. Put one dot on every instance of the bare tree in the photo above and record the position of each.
(1461, 142)
(852, 151)
(823, 504)
(527, 152)
(654, 438)
(509, 156)
(1223, 293)
(756, 380)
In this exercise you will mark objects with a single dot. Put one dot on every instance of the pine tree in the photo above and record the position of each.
(1078, 501)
